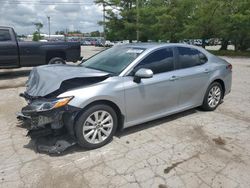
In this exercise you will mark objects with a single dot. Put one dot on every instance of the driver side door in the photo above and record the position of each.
(8, 49)
(152, 97)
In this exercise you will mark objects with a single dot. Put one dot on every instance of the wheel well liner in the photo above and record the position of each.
(53, 54)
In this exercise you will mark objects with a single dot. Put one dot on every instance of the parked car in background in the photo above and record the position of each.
(43, 40)
(121, 87)
(108, 43)
(85, 43)
(14, 53)
(99, 43)
(197, 42)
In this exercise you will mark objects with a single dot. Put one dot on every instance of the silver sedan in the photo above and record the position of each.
(124, 86)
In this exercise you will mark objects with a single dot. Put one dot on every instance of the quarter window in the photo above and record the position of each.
(4, 35)
(189, 57)
(159, 61)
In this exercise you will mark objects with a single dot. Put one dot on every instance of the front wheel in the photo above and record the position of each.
(213, 97)
(96, 126)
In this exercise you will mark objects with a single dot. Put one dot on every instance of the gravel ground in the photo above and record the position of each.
(190, 149)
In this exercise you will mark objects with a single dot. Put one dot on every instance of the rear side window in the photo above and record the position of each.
(189, 57)
(159, 61)
(4, 35)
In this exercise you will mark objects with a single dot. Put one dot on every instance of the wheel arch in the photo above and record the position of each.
(55, 53)
(221, 82)
(113, 105)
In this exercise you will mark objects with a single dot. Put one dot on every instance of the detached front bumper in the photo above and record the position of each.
(52, 130)
(54, 119)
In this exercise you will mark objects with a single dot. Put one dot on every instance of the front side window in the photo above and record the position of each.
(189, 57)
(113, 60)
(159, 61)
(4, 35)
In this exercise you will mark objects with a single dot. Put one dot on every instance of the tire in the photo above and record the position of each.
(56, 60)
(213, 97)
(84, 126)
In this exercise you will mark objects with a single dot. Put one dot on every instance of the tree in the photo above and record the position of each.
(234, 24)
(38, 26)
(175, 20)
(240, 25)
(60, 32)
(158, 19)
(95, 34)
(172, 17)
(224, 26)
(37, 34)
(121, 19)
(203, 22)
(74, 32)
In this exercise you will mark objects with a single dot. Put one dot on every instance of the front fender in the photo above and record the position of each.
(112, 91)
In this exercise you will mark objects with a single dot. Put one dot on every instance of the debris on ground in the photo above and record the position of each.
(168, 169)
(219, 141)
(162, 186)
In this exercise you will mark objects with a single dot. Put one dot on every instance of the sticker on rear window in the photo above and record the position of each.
(135, 51)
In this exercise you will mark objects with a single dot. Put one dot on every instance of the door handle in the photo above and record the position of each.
(207, 71)
(173, 78)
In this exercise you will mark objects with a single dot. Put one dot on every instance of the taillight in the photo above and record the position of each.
(230, 67)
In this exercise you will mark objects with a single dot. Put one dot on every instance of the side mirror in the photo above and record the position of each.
(142, 73)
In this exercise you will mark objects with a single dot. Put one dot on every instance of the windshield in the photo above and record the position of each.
(113, 60)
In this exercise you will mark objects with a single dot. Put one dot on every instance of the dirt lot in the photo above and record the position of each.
(190, 149)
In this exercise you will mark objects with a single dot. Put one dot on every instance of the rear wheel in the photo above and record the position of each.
(96, 126)
(56, 60)
(213, 97)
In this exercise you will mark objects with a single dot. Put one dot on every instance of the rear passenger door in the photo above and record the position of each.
(193, 74)
(8, 49)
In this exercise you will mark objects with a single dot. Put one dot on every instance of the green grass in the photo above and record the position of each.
(230, 53)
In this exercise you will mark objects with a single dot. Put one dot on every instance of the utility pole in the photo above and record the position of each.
(137, 21)
(104, 20)
(49, 25)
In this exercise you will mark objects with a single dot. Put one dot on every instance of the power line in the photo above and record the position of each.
(46, 2)
(16, 1)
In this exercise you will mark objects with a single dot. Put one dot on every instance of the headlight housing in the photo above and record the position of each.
(53, 104)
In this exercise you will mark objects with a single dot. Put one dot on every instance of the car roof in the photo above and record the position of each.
(5, 27)
(157, 45)
(152, 46)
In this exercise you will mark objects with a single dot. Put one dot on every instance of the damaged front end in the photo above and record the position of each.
(50, 117)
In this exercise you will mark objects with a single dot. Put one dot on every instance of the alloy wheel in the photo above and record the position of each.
(214, 96)
(98, 126)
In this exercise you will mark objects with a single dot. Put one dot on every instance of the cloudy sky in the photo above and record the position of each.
(80, 15)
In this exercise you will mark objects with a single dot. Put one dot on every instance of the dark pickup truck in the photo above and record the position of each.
(14, 54)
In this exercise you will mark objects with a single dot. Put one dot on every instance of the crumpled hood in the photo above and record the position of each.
(46, 79)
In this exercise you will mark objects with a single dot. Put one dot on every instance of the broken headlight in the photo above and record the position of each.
(53, 104)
